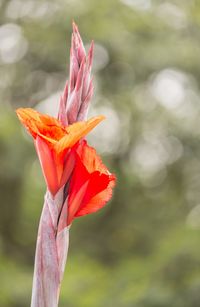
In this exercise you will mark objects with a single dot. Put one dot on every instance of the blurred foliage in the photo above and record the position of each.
(143, 249)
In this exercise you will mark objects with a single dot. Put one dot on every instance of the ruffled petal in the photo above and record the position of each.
(89, 169)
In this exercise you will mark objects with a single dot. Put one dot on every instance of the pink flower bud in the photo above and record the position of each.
(78, 91)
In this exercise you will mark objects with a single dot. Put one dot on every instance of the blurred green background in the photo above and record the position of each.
(143, 249)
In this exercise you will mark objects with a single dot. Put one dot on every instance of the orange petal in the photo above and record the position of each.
(36, 123)
(28, 117)
(76, 132)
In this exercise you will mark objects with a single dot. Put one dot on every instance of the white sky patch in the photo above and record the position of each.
(142, 98)
(148, 156)
(155, 133)
(31, 9)
(168, 87)
(152, 153)
(173, 148)
(173, 15)
(13, 45)
(50, 105)
(142, 5)
(193, 218)
(106, 136)
(150, 180)
(8, 77)
(148, 161)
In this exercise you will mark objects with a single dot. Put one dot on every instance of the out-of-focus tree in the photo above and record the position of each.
(143, 248)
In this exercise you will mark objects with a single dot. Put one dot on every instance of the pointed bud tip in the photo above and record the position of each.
(74, 27)
(92, 44)
(91, 49)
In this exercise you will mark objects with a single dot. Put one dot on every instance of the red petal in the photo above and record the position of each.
(79, 177)
(89, 168)
(97, 183)
(68, 167)
(90, 158)
(99, 200)
(76, 202)
(47, 162)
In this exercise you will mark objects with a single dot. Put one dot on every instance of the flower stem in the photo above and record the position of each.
(51, 254)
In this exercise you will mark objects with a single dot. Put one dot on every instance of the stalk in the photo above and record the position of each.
(51, 253)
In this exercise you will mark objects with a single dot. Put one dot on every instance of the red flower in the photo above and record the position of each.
(78, 182)
(91, 183)
(54, 143)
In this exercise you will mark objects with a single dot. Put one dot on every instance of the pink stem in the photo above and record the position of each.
(48, 258)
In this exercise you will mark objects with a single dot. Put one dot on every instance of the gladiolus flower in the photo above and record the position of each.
(78, 183)
(91, 183)
(54, 144)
